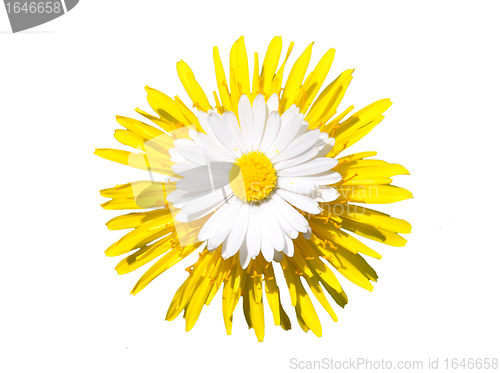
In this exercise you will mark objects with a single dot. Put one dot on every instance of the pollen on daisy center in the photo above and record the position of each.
(252, 177)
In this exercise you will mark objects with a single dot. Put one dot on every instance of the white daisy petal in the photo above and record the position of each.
(271, 227)
(211, 170)
(203, 181)
(323, 136)
(205, 142)
(238, 232)
(271, 130)
(244, 255)
(246, 121)
(296, 184)
(329, 143)
(186, 196)
(174, 152)
(301, 158)
(289, 249)
(235, 128)
(181, 142)
(179, 159)
(307, 235)
(300, 201)
(285, 136)
(183, 167)
(324, 178)
(176, 156)
(285, 225)
(253, 233)
(259, 120)
(224, 248)
(299, 145)
(273, 102)
(203, 119)
(220, 128)
(266, 246)
(174, 196)
(223, 230)
(193, 133)
(278, 256)
(312, 167)
(198, 155)
(295, 218)
(292, 110)
(207, 200)
(325, 194)
(302, 129)
(182, 217)
(217, 221)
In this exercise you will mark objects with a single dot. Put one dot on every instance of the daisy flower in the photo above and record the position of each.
(254, 183)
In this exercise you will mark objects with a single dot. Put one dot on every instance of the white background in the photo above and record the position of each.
(64, 308)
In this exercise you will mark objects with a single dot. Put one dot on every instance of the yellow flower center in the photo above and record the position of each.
(252, 177)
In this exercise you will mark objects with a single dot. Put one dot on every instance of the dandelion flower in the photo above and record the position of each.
(252, 184)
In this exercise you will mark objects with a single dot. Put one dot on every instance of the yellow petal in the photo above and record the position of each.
(317, 266)
(146, 255)
(139, 194)
(334, 123)
(320, 296)
(330, 232)
(278, 77)
(290, 279)
(379, 235)
(128, 138)
(256, 78)
(141, 129)
(166, 261)
(284, 319)
(202, 291)
(272, 292)
(358, 125)
(315, 81)
(254, 310)
(135, 219)
(329, 282)
(159, 121)
(374, 193)
(328, 101)
(141, 236)
(270, 65)
(371, 217)
(238, 62)
(218, 278)
(155, 141)
(164, 106)
(355, 157)
(232, 292)
(192, 87)
(353, 267)
(295, 79)
(370, 169)
(305, 309)
(188, 114)
(222, 83)
(146, 162)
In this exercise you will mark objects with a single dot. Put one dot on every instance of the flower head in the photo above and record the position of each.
(252, 181)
